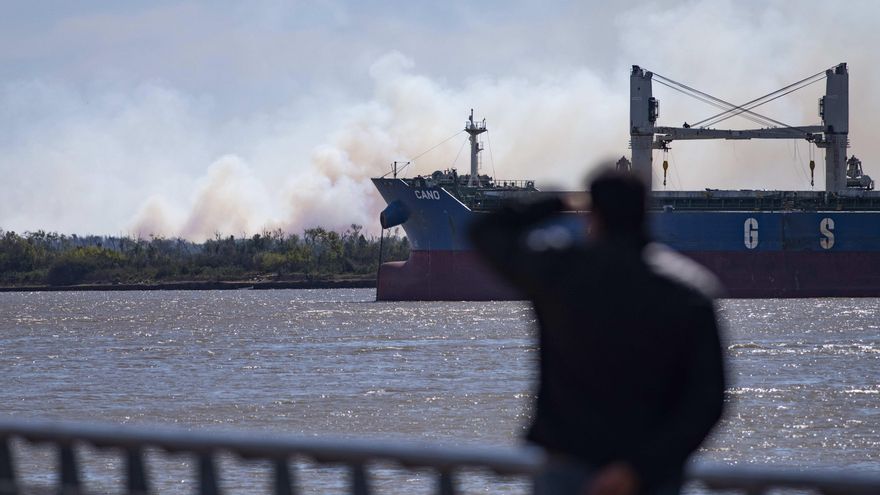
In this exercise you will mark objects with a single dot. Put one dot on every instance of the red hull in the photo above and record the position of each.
(795, 273)
(462, 276)
(441, 276)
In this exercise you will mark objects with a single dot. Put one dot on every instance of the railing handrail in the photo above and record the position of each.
(253, 444)
(444, 458)
(754, 479)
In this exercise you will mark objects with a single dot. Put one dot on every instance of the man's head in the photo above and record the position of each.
(618, 205)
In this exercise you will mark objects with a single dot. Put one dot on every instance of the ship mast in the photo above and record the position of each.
(474, 129)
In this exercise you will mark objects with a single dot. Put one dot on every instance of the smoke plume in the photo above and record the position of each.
(154, 158)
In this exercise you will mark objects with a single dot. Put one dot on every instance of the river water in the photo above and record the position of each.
(804, 391)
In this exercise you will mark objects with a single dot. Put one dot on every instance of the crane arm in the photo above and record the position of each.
(667, 134)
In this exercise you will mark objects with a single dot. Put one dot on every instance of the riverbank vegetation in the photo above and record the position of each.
(41, 258)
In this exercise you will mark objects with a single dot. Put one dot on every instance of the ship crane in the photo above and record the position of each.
(831, 135)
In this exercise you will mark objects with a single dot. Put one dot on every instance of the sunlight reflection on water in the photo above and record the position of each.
(804, 373)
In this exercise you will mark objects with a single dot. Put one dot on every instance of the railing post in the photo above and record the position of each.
(69, 470)
(7, 469)
(136, 474)
(283, 478)
(359, 484)
(207, 475)
(446, 483)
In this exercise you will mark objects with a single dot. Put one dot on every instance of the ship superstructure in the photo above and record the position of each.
(760, 243)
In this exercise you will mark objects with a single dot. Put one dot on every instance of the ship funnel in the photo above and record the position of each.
(394, 214)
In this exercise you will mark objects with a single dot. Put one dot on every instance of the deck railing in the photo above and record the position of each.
(446, 461)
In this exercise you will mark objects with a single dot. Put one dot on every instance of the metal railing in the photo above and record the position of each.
(446, 461)
(514, 183)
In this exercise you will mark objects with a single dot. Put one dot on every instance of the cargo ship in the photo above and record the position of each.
(759, 243)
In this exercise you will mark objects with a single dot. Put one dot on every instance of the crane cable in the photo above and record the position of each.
(745, 106)
(692, 92)
(727, 104)
(716, 105)
(491, 157)
(764, 102)
(432, 148)
(459, 152)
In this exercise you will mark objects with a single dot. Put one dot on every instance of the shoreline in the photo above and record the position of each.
(202, 285)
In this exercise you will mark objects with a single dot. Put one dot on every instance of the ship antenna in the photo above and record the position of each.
(474, 129)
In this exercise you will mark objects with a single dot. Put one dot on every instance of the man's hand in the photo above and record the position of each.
(618, 478)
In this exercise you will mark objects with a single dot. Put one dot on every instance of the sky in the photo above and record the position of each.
(192, 119)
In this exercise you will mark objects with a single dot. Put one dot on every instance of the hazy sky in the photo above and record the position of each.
(190, 118)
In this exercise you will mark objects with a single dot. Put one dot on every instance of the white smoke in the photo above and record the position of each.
(538, 137)
(160, 160)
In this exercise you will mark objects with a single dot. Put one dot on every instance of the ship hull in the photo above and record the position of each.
(755, 254)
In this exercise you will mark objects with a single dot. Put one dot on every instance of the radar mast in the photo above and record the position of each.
(475, 129)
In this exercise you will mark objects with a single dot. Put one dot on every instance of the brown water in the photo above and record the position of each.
(805, 375)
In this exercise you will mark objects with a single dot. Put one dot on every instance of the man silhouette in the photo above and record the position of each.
(631, 374)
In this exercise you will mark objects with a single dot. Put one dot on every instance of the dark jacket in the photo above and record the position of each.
(630, 359)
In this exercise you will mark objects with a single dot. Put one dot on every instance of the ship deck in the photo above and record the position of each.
(708, 200)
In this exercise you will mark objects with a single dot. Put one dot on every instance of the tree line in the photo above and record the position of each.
(48, 258)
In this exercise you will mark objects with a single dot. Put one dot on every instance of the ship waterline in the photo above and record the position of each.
(464, 276)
